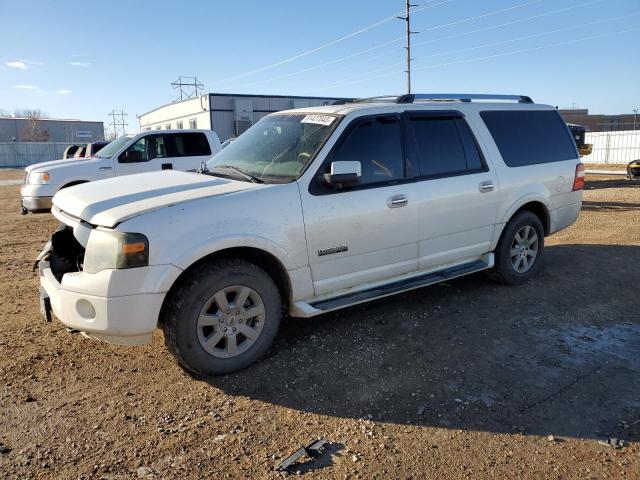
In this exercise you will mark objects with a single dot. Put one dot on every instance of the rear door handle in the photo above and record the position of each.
(486, 186)
(104, 169)
(167, 166)
(396, 201)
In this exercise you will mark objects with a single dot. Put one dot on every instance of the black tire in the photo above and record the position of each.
(183, 307)
(504, 271)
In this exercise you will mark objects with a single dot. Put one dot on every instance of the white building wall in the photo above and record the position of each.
(168, 116)
(220, 112)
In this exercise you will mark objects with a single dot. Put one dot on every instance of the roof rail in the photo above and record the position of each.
(460, 97)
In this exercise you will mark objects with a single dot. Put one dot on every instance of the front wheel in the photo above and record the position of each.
(519, 251)
(222, 317)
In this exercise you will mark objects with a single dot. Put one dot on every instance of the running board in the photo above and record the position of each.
(304, 309)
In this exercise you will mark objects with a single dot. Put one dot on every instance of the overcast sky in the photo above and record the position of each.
(75, 60)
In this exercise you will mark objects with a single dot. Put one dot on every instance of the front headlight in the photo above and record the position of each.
(111, 249)
(39, 178)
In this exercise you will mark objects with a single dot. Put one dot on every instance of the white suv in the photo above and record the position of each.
(309, 211)
(144, 152)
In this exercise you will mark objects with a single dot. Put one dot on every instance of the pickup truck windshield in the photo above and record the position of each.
(278, 147)
(113, 147)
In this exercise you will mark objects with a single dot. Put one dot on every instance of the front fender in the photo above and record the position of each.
(206, 247)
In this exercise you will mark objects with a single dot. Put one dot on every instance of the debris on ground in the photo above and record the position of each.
(313, 451)
(612, 442)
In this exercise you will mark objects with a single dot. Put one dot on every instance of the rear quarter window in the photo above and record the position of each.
(530, 137)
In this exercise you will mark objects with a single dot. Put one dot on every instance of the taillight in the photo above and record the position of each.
(578, 181)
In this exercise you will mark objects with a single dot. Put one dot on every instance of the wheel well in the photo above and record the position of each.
(71, 184)
(540, 211)
(262, 259)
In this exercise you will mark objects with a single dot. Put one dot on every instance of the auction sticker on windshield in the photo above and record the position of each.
(319, 119)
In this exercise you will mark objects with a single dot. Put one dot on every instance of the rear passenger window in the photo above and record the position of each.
(189, 145)
(377, 144)
(529, 137)
(445, 145)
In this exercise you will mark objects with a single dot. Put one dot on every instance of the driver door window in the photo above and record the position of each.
(145, 149)
(376, 143)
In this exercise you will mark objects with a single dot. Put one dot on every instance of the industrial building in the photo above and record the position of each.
(228, 114)
(599, 122)
(15, 129)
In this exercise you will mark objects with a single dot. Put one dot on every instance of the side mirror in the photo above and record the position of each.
(130, 156)
(343, 174)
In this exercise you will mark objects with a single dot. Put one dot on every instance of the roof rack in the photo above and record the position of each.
(444, 97)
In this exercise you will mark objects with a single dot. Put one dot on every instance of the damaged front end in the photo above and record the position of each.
(63, 253)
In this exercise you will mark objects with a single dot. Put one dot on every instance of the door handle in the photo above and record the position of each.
(167, 166)
(104, 169)
(486, 186)
(396, 201)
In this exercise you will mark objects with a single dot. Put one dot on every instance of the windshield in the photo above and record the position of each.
(113, 147)
(277, 148)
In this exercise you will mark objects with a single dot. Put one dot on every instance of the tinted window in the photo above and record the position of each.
(377, 144)
(440, 148)
(530, 137)
(188, 144)
(145, 149)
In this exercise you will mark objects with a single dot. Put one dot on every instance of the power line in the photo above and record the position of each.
(549, 32)
(435, 40)
(326, 64)
(512, 22)
(488, 14)
(476, 59)
(386, 67)
(326, 45)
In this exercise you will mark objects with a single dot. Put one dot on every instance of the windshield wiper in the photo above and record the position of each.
(239, 171)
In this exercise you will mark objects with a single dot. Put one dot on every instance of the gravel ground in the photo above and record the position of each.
(462, 380)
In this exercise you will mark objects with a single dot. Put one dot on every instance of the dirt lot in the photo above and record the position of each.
(463, 380)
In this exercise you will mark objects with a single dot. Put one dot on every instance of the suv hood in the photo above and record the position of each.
(112, 201)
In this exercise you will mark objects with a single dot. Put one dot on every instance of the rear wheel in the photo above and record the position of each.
(519, 251)
(222, 317)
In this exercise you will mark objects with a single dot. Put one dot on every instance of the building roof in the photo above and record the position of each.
(52, 119)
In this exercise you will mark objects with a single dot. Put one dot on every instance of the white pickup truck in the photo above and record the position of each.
(309, 211)
(144, 152)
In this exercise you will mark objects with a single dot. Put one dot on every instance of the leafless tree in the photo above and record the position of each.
(33, 132)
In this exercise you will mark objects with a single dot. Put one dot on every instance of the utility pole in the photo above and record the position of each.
(118, 122)
(407, 19)
(188, 86)
(635, 117)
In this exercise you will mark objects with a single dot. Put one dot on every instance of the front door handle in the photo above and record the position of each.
(486, 186)
(396, 201)
(167, 166)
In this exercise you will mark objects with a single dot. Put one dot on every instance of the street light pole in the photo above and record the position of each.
(635, 116)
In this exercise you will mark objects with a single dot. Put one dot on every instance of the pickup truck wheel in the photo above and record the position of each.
(519, 251)
(223, 317)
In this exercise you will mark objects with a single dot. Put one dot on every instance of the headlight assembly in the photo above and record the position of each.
(39, 178)
(111, 249)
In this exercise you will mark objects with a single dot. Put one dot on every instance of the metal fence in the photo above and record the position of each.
(613, 147)
(21, 154)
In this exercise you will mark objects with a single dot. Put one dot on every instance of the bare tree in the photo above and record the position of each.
(33, 132)
(30, 113)
(4, 112)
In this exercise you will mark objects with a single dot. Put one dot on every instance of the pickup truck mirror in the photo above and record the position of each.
(343, 174)
(130, 156)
